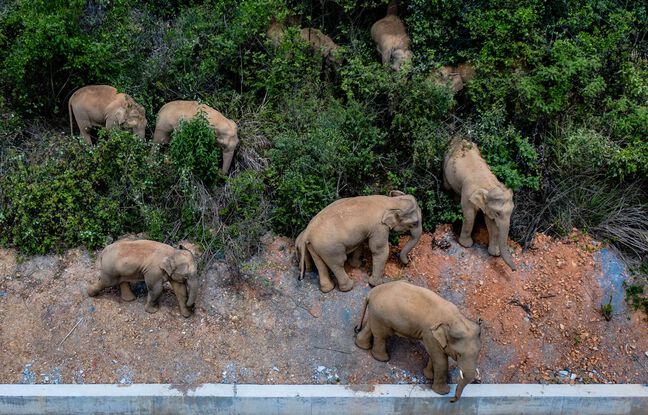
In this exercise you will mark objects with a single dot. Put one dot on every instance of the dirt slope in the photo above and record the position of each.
(542, 323)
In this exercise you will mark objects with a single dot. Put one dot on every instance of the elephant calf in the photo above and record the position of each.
(409, 311)
(467, 174)
(391, 39)
(101, 106)
(342, 228)
(153, 262)
(226, 130)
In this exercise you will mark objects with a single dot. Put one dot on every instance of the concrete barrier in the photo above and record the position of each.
(321, 399)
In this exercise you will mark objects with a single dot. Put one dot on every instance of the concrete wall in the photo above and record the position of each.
(321, 399)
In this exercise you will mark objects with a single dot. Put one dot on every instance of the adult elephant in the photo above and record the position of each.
(226, 130)
(345, 225)
(466, 173)
(155, 263)
(409, 311)
(101, 106)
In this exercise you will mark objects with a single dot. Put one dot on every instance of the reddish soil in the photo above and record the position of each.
(542, 323)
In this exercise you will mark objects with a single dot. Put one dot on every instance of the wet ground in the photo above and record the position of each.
(541, 324)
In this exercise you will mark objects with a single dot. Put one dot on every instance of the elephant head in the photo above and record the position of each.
(460, 339)
(181, 267)
(497, 205)
(129, 115)
(400, 56)
(404, 215)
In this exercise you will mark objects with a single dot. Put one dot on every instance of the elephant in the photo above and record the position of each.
(226, 130)
(322, 44)
(102, 106)
(466, 173)
(342, 228)
(153, 262)
(456, 77)
(400, 308)
(391, 39)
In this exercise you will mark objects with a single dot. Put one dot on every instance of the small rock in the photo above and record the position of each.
(646, 353)
(321, 368)
(562, 327)
(573, 376)
(563, 373)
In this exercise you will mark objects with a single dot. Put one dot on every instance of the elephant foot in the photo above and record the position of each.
(326, 286)
(466, 242)
(186, 313)
(149, 308)
(494, 250)
(375, 281)
(92, 291)
(347, 286)
(441, 388)
(128, 296)
(380, 356)
(362, 343)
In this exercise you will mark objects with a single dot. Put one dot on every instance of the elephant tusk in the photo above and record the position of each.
(461, 374)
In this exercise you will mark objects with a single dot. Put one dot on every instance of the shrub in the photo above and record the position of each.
(79, 194)
(194, 150)
(325, 151)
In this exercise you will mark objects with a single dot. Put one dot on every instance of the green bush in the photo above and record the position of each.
(325, 151)
(194, 150)
(78, 194)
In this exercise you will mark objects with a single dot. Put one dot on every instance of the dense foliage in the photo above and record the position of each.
(558, 108)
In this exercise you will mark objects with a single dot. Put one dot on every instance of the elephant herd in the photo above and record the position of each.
(339, 233)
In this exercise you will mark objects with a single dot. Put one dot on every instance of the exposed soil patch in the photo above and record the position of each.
(542, 323)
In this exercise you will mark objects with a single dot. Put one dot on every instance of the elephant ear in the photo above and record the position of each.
(478, 198)
(120, 115)
(168, 265)
(391, 217)
(440, 335)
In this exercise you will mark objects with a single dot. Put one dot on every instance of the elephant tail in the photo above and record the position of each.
(362, 316)
(70, 114)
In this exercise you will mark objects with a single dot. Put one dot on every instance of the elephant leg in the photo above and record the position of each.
(379, 252)
(126, 293)
(326, 284)
(437, 367)
(84, 128)
(380, 334)
(493, 237)
(355, 257)
(105, 281)
(365, 336)
(154, 292)
(467, 227)
(337, 266)
(180, 290)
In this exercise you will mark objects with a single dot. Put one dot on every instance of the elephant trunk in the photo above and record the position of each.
(227, 160)
(504, 249)
(466, 378)
(192, 287)
(416, 235)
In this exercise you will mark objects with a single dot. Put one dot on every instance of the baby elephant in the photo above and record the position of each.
(409, 311)
(391, 39)
(153, 262)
